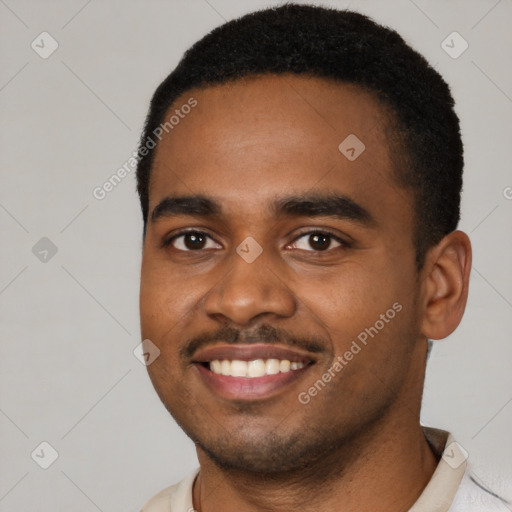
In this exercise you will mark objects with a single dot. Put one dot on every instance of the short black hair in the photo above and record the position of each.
(348, 47)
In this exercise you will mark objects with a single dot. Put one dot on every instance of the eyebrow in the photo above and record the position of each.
(306, 205)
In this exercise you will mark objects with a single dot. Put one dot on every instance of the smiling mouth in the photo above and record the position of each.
(253, 369)
(250, 372)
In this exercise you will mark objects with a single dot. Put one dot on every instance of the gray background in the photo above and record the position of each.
(69, 324)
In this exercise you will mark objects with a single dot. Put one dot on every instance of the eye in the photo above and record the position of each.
(312, 241)
(317, 241)
(191, 241)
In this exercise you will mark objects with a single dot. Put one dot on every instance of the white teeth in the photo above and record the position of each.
(284, 366)
(239, 368)
(255, 368)
(272, 366)
(216, 367)
(225, 368)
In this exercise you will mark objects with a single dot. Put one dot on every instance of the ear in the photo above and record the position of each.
(445, 278)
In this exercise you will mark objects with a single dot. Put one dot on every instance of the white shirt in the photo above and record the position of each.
(452, 487)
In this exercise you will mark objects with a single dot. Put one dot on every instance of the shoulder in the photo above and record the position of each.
(475, 496)
(160, 502)
(176, 498)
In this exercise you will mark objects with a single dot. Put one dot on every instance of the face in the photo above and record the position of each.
(278, 275)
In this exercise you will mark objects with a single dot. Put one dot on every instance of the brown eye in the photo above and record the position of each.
(317, 241)
(192, 241)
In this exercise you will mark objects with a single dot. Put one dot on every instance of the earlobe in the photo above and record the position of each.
(445, 285)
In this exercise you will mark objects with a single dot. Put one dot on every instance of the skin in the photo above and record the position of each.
(246, 144)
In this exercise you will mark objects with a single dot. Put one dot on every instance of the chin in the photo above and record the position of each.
(254, 459)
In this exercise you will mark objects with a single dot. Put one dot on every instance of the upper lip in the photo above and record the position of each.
(250, 352)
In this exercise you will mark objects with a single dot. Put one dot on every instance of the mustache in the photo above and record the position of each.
(265, 333)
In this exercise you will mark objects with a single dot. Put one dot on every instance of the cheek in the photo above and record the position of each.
(168, 308)
(352, 298)
(151, 303)
(366, 311)
(161, 316)
(162, 295)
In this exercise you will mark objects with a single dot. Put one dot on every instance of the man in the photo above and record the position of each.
(300, 175)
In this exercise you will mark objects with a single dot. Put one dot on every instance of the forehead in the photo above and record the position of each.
(247, 140)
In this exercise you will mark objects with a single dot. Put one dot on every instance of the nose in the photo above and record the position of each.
(250, 290)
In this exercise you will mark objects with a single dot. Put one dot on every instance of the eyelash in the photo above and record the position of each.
(343, 243)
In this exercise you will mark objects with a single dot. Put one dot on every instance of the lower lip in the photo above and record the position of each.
(243, 388)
